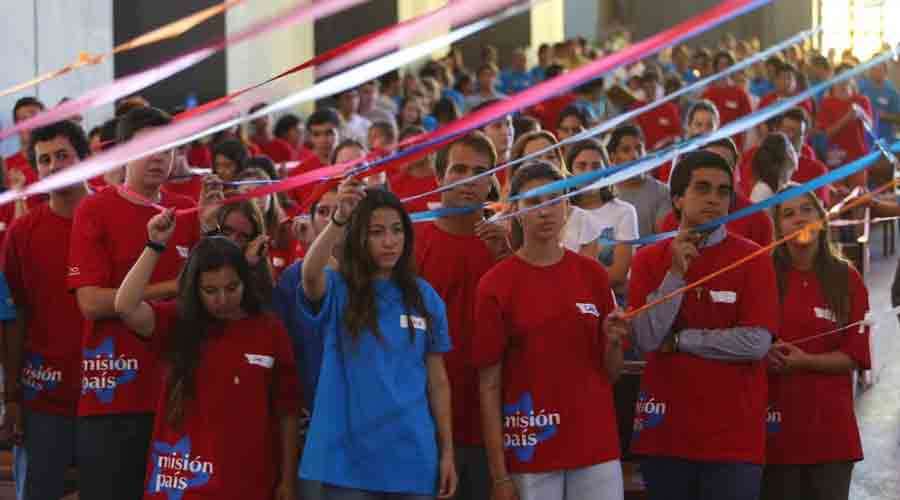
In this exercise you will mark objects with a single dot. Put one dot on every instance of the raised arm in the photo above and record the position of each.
(129, 298)
(350, 192)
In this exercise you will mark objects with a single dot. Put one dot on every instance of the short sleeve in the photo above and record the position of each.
(12, 267)
(7, 305)
(627, 226)
(491, 336)
(855, 342)
(439, 336)
(758, 302)
(663, 203)
(312, 317)
(286, 393)
(283, 296)
(165, 315)
(894, 104)
(89, 253)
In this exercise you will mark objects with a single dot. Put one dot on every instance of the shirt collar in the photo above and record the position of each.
(715, 237)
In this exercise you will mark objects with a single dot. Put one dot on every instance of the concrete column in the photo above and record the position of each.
(39, 36)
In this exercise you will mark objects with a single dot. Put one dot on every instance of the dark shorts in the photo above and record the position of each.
(112, 456)
(829, 481)
(678, 479)
(47, 452)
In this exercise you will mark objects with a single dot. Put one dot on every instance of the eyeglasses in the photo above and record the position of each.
(233, 234)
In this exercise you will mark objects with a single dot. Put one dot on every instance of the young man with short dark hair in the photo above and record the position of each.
(648, 196)
(118, 370)
(701, 411)
(452, 254)
(24, 109)
(662, 124)
(43, 346)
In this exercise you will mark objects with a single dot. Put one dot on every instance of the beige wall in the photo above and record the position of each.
(265, 56)
(408, 9)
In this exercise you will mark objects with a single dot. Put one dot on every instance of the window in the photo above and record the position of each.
(859, 25)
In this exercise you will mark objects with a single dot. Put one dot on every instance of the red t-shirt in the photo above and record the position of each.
(301, 194)
(404, 185)
(695, 408)
(810, 418)
(200, 156)
(808, 168)
(660, 125)
(773, 97)
(35, 259)
(20, 162)
(548, 111)
(849, 143)
(278, 150)
(732, 103)
(663, 173)
(453, 265)
(189, 188)
(227, 445)
(756, 227)
(108, 235)
(557, 401)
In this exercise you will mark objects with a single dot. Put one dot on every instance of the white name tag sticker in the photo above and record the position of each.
(664, 122)
(588, 309)
(823, 313)
(731, 104)
(260, 360)
(278, 262)
(417, 322)
(723, 296)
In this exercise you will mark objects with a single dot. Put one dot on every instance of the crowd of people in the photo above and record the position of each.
(318, 343)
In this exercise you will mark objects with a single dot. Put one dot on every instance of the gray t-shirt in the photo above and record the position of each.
(651, 200)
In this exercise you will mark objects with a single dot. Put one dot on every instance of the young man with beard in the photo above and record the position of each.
(452, 254)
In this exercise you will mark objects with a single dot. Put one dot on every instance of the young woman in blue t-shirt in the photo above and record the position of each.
(381, 425)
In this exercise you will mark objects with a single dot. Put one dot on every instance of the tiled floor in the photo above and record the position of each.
(878, 409)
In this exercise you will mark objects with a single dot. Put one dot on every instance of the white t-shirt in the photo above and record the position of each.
(761, 191)
(356, 128)
(615, 220)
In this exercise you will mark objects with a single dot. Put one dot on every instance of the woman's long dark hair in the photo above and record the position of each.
(358, 268)
(194, 322)
(771, 159)
(831, 268)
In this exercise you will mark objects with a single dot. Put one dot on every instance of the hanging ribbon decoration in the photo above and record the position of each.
(192, 128)
(166, 32)
(188, 130)
(110, 92)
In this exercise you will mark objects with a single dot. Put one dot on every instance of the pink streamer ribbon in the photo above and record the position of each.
(131, 84)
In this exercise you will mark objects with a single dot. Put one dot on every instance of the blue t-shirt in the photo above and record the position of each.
(457, 98)
(761, 87)
(885, 99)
(513, 82)
(307, 344)
(7, 305)
(689, 77)
(372, 428)
(538, 74)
